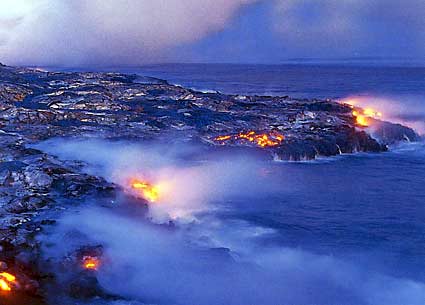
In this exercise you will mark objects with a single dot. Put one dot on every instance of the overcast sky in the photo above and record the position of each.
(133, 32)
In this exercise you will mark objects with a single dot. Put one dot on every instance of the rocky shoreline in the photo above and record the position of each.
(37, 105)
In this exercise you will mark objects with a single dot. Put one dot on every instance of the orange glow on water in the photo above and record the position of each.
(148, 191)
(262, 140)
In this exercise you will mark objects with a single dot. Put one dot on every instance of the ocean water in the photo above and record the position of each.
(366, 208)
(299, 81)
(369, 209)
(342, 230)
(396, 91)
(353, 206)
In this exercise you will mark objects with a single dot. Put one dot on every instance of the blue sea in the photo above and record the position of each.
(295, 80)
(342, 230)
(369, 207)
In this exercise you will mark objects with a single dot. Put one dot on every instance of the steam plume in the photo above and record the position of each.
(405, 110)
(187, 187)
(214, 260)
(149, 264)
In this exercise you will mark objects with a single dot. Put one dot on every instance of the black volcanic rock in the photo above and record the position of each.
(390, 133)
(38, 105)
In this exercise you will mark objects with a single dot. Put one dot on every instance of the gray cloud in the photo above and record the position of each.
(120, 32)
(111, 31)
(351, 28)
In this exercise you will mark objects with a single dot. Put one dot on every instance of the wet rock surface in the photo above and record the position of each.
(37, 105)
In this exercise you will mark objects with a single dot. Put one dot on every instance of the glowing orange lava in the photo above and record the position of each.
(90, 262)
(7, 280)
(363, 116)
(372, 113)
(223, 138)
(262, 140)
(361, 119)
(147, 190)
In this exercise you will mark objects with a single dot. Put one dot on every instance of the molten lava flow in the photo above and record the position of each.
(147, 190)
(223, 138)
(7, 280)
(90, 262)
(372, 113)
(262, 140)
(362, 115)
(360, 119)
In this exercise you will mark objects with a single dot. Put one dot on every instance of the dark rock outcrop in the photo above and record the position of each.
(390, 133)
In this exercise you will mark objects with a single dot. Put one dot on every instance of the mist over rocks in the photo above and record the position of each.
(36, 185)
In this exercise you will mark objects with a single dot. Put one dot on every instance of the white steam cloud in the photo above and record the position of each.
(185, 187)
(408, 110)
(161, 266)
(213, 260)
(105, 32)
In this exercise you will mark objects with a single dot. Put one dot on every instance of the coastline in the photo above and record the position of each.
(38, 105)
